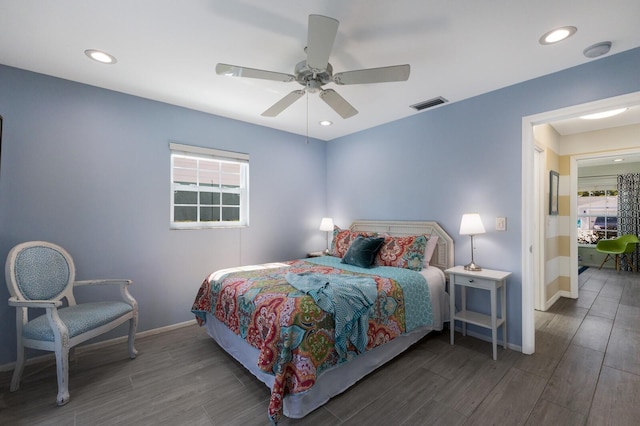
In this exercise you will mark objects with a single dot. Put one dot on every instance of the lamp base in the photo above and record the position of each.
(472, 267)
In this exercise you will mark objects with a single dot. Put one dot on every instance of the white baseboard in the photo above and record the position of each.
(551, 301)
(83, 348)
(486, 338)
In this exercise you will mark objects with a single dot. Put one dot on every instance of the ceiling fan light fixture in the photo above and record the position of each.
(603, 114)
(100, 56)
(313, 86)
(557, 34)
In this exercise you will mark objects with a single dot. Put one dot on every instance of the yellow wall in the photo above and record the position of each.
(558, 153)
(558, 248)
(557, 239)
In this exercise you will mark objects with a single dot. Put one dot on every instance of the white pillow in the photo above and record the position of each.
(432, 242)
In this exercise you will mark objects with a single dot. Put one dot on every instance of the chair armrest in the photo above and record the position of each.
(124, 288)
(34, 303)
(102, 282)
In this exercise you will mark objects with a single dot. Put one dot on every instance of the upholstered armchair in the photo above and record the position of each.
(42, 275)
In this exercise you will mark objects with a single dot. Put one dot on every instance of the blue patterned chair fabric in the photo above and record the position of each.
(42, 275)
(79, 319)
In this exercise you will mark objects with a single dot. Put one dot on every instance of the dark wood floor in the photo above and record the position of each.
(586, 370)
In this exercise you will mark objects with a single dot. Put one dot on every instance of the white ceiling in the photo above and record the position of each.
(576, 125)
(167, 50)
(608, 160)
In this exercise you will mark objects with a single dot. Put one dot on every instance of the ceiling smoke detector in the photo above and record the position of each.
(597, 49)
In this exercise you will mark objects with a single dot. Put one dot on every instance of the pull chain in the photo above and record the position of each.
(307, 117)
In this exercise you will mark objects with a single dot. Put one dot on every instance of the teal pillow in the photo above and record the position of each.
(362, 251)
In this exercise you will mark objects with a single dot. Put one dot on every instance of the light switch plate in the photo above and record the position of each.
(501, 223)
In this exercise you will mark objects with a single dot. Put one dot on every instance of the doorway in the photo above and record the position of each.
(533, 253)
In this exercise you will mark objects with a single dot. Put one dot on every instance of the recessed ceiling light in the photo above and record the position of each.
(557, 35)
(100, 56)
(618, 160)
(326, 123)
(604, 114)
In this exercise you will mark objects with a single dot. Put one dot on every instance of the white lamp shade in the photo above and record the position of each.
(471, 224)
(326, 224)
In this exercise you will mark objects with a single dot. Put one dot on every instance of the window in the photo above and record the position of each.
(209, 188)
(597, 211)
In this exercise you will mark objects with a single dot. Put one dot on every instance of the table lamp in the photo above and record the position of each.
(471, 224)
(326, 224)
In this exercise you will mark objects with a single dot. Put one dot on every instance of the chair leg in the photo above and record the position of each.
(17, 371)
(633, 268)
(617, 263)
(605, 259)
(62, 366)
(133, 326)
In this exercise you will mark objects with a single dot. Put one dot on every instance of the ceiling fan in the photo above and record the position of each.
(316, 71)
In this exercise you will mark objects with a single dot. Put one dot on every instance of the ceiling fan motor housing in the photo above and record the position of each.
(313, 79)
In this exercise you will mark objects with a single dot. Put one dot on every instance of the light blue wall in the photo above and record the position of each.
(88, 169)
(464, 157)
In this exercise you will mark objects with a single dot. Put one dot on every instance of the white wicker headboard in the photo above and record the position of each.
(442, 256)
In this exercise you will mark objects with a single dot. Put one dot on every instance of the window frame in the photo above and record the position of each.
(221, 157)
(608, 185)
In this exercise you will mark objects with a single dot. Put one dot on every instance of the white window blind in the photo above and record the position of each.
(209, 187)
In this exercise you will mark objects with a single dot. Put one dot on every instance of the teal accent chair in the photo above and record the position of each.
(42, 275)
(618, 247)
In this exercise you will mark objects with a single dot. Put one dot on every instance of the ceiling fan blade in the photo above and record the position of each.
(283, 103)
(322, 33)
(374, 75)
(236, 71)
(338, 103)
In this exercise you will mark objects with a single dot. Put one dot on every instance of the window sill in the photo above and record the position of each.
(200, 227)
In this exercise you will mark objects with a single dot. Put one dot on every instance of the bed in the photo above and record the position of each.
(268, 316)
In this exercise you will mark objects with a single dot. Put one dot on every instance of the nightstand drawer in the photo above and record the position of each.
(474, 282)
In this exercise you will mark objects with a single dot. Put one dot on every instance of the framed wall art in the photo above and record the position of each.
(554, 184)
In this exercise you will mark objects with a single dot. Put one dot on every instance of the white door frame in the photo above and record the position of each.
(530, 239)
(540, 225)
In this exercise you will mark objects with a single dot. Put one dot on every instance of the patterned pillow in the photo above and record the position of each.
(342, 239)
(402, 252)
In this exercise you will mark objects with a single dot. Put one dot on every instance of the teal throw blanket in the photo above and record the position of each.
(347, 297)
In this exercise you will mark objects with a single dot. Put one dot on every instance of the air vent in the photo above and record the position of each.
(429, 104)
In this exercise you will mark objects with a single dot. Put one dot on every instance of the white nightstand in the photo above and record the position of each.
(485, 279)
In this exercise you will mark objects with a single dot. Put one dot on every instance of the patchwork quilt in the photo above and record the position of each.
(295, 337)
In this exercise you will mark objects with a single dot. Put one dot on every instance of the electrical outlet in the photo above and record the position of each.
(501, 223)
